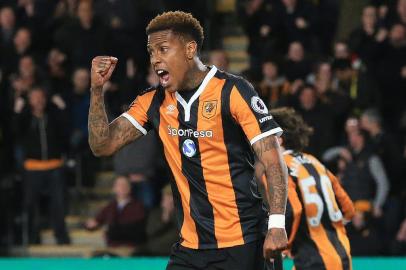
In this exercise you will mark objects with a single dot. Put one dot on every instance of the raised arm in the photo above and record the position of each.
(270, 157)
(104, 138)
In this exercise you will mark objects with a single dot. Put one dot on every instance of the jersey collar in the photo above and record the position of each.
(187, 105)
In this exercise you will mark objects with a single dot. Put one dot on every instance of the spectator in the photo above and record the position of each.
(41, 130)
(363, 39)
(296, 66)
(7, 27)
(78, 103)
(319, 117)
(161, 227)
(84, 37)
(330, 95)
(299, 18)
(341, 50)
(27, 77)
(59, 82)
(262, 23)
(361, 171)
(124, 20)
(21, 47)
(391, 75)
(387, 148)
(219, 59)
(359, 86)
(273, 85)
(124, 217)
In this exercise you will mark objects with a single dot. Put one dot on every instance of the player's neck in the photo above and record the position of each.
(195, 75)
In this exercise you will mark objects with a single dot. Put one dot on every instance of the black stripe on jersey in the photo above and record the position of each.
(308, 255)
(325, 220)
(249, 205)
(247, 91)
(200, 208)
(178, 203)
(153, 110)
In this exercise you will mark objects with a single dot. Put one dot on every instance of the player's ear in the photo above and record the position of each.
(191, 49)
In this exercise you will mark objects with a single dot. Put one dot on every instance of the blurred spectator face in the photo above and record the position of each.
(122, 187)
(397, 35)
(323, 78)
(270, 70)
(341, 51)
(22, 40)
(219, 59)
(167, 202)
(37, 99)
(152, 78)
(296, 52)
(324, 71)
(7, 18)
(308, 98)
(81, 80)
(85, 13)
(26, 66)
(365, 123)
(55, 58)
(401, 8)
(369, 16)
(289, 3)
(352, 125)
(356, 140)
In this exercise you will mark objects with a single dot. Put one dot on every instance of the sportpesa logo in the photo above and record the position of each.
(190, 133)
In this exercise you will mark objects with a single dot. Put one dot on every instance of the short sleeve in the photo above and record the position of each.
(251, 113)
(137, 114)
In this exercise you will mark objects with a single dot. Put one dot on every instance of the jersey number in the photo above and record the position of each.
(314, 202)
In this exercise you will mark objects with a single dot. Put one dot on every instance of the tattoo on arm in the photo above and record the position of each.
(105, 138)
(269, 154)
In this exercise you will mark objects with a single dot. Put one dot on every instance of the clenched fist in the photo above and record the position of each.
(102, 68)
(275, 242)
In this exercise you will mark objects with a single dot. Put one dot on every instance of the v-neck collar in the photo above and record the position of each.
(187, 105)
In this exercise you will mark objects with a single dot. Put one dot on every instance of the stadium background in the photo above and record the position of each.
(350, 55)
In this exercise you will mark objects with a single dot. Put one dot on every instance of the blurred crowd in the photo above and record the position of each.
(351, 90)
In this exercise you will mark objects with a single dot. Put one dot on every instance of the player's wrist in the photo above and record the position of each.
(98, 89)
(276, 221)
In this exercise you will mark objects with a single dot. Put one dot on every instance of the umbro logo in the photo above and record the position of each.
(170, 109)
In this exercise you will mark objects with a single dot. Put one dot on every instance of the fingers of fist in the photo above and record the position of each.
(275, 242)
(102, 64)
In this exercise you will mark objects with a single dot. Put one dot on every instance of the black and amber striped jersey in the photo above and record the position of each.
(317, 238)
(207, 144)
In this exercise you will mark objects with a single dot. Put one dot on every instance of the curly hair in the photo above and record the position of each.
(296, 132)
(179, 22)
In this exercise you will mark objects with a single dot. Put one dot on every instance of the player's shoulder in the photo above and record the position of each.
(150, 92)
(240, 83)
(314, 160)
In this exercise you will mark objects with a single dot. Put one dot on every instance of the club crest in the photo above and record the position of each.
(209, 109)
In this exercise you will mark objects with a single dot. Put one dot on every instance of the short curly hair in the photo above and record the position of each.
(296, 132)
(179, 22)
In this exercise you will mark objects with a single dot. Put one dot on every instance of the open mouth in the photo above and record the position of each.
(163, 77)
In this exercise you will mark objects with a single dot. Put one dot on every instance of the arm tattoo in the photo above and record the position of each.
(105, 138)
(269, 154)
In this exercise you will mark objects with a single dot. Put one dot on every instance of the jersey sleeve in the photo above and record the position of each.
(137, 113)
(346, 205)
(251, 113)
